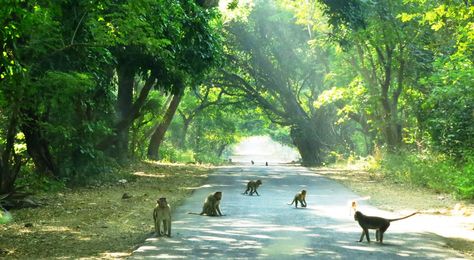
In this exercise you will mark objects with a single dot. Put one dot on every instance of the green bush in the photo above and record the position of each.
(171, 154)
(31, 182)
(465, 182)
(434, 171)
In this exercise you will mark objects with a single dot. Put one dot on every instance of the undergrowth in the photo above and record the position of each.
(435, 171)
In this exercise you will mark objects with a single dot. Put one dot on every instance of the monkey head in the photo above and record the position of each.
(354, 204)
(259, 182)
(162, 202)
(357, 215)
(218, 195)
(303, 192)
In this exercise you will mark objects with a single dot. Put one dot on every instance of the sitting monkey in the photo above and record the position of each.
(211, 205)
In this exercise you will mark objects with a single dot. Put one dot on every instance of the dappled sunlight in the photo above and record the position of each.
(361, 248)
(266, 227)
(114, 255)
(57, 229)
(142, 174)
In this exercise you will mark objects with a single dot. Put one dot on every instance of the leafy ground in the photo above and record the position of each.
(394, 196)
(95, 222)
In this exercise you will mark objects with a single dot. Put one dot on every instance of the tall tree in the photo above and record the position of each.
(271, 61)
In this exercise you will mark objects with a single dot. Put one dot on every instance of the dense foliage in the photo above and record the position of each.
(77, 75)
(86, 85)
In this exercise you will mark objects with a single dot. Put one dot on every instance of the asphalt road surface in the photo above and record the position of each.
(265, 227)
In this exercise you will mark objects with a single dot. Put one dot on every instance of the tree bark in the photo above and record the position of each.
(124, 106)
(157, 137)
(184, 134)
(307, 144)
(10, 163)
(127, 112)
(38, 147)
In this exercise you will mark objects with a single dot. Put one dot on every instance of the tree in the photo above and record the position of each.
(159, 49)
(270, 61)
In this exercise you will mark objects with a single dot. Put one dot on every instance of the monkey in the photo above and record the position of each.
(252, 162)
(353, 207)
(162, 214)
(252, 187)
(211, 205)
(301, 197)
(379, 224)
(266, 163)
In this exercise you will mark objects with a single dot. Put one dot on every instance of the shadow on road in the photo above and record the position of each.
(266, 227)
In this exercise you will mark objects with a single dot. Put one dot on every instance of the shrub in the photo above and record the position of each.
(434, 171)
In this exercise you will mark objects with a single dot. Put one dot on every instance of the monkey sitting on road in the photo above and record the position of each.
(301, 197)
(162, 214)
(252, 187)
(211, 205)
(379, 224)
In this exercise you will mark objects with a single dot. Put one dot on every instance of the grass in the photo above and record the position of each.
(95, 222)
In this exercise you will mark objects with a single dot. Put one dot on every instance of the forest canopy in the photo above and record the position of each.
(89, 85)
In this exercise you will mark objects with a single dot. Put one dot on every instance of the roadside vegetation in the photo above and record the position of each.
(95, 221)
(89, 87)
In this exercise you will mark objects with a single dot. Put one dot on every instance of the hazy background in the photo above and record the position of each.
(262, 149)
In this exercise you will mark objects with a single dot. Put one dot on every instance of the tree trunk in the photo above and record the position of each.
(10, 163)
(38, 147)
(221, 149)
(186, 123)
(124, 105)
(307, 144)
(157, 137)
(393, 135)
(127, 112)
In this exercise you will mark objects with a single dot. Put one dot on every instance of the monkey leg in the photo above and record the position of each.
(253, 191)
(257, 193)
(246, 191)
(158, 225)
(157, 228)
(303, 203)
(212, 212)
(366, 231)
(381, 231)
(169, 228)
(165, 226)
(296, 203)
(377, 235)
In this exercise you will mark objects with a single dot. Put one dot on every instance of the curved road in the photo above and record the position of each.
(266, 227)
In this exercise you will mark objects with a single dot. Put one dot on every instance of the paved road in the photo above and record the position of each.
(266, 227)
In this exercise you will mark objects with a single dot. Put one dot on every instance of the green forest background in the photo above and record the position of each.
(87, 87)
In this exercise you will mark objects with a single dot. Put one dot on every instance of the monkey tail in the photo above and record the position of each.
(395, 219)
(291, 202)
(194, 213)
